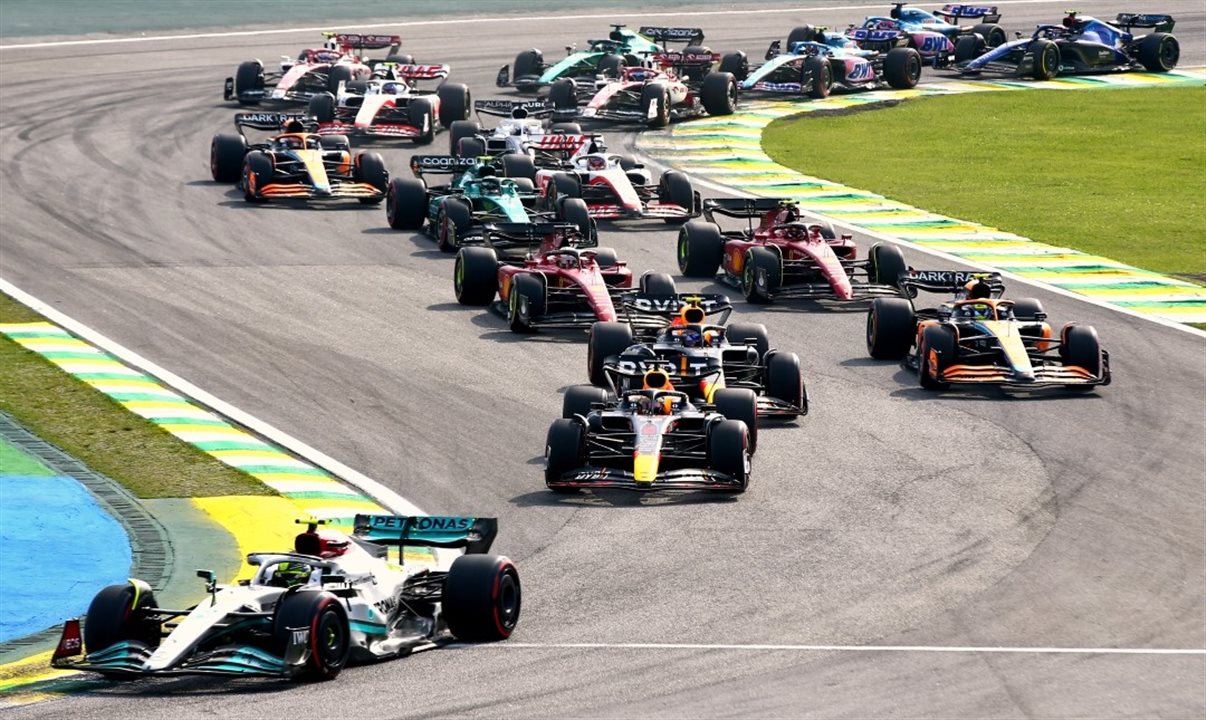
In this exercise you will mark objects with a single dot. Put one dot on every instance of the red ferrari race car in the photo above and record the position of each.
(784, 255)
(616, 186)
(549, 275)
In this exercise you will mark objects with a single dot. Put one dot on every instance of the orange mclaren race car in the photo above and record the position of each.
(296, 164)
(981, 338)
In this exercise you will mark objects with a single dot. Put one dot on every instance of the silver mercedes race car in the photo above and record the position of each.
(307, 612)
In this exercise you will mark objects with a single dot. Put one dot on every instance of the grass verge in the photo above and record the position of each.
(98, 431)
(1117, 173)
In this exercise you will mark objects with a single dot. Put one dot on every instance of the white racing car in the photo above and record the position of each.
(391, 106)
(334, 598)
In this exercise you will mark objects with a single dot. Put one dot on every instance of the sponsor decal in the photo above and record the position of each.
(668, 304)
(689, 366)
(591, 475)
(860, 71)
(778, 87)
(300, 637)
(441, 162)
(942, 277)
(422, 523)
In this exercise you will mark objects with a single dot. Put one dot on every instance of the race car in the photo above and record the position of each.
(391, 106)
(524, 130)
(653, 94)
(563, 280)
(817, 62)
(978, 338)
(1077, 46)
(652, 438)
(307, 612)
(784, 255)
(934, 34)
(477, 195)
(702, 358)
(296, 164)
(316, 70)
(616, 187)
(602, 57)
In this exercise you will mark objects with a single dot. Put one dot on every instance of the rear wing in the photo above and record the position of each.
(1159, 23)
(984, 13)
(361, 41)
(449, 164)
(669, 306)
(690, 36)
(566, 146)
(869, 35)
(474, 534)
(685, 60)
(517, 109)
(678, 364)
(947, 281)
(272, 121)
(422, 72)
(743, 207)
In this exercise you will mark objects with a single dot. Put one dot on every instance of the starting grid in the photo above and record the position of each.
(728, 151)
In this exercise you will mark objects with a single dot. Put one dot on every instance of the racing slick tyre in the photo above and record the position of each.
(887, 264)
(628, 162)
(226, 153)
(564, 450)
(337, 74)
(739, 404)
(421, 114)
(939, 341)
(111, 617)
(992, 33)
(803, 33)
(406, 203)
(675, 188)
(762, 274)
(656, 283)
(481, 598)
(518, 166)
(719, 93)
(785, 379)
(817, 77)
(610, 66)
(453, 219)
(257, 168)
(1159, 52)
(573, 210)
(606, 338)
(606, 257)
(370, 168)
(470, 147)
(1044, 54)
(700, 249)
(329, 636)
(455, 103)
(695, 73)
(528, 62)
(335, 143)
(461, 129)
(729, 451)
(655, 105)
(561, 185)
(566, 128)
(891, 328)
(322, 107)
(740, 333)
(249, 76)
(1080, 347)
(578, 399)
(400, 59)
(475, 276)
(1027, 309)
(525, 302)
(736, 64)
(969, 47)
(563, 94)
(902, 68)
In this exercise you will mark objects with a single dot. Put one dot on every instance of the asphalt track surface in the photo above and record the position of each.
(888, 516)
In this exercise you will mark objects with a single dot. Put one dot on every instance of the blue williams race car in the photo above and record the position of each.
(1077, 46)
(817, 62)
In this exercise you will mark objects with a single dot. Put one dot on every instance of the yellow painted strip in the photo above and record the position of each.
(270, 477)
(35, 668)
(211, 429)
(257, 523)
(334, 506)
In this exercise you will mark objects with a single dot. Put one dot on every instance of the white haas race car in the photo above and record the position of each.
(306, 613)
(315, 70)
(390, 105)
(523, 130)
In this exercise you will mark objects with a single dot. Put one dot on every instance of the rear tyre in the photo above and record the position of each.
(475, 276)
(939, 341)
(803, 33)
(992, 33)
(579, 398)
(969, 47)
(406, 203)
(700, 249)
(112, 617)
(1159, 52)
(322, 107)
(902, 68)
(461, 129)
(564, 450)
(370, 168)
(675, 188)
(740, 404)
(561, 185)
(1045, 57)
(729, 451)
(606, 257)
(611, 66)
(785, 379)
(248, 76)
(566, 128)
(606, 339)
(329, 637)
(573, 210)
(762, 274)
(695, 73)
(453, 220)
(481, 598)
(226, 153)
(563, 94)
(890, 328)
(741, 333)
(736, 64)
(470, 147)
(421, 114)
(455, 103)
(655, 105)
(887, 264)
(655, 283)
(817, 77)
(519, 166)
(719, 93)
(1027, 309)
(526, 290)
(337, 74)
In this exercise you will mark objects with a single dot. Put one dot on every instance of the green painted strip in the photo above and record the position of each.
(266, 469)
(37, 332)
(151, 397)
(208, 422)
(98, 376)
(70, 355)
(248, 444)
(318, 495)
(1187, 305)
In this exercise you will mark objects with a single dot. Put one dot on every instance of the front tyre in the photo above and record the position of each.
(329, 638)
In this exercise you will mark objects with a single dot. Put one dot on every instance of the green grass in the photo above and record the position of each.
(1118, 173)
(95, 429)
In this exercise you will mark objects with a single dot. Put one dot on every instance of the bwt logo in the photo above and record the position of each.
(691, 366)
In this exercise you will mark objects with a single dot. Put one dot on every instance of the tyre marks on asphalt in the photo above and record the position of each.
(727, 150)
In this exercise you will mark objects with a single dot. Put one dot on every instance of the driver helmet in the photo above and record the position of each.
(977, 289)
(691, 338)
(490, 185)
(294, 126)
(567, 261)
(331, 43)
(486, 171)
(289, 142)
(290, 574)
(389, 88)
(976, 311)
(596, 163)
(517, 130)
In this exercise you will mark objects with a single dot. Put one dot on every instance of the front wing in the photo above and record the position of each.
(683, 479)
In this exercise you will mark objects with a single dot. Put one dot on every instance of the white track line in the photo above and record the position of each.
(388, 498)
(465, 20)
(851, 648)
